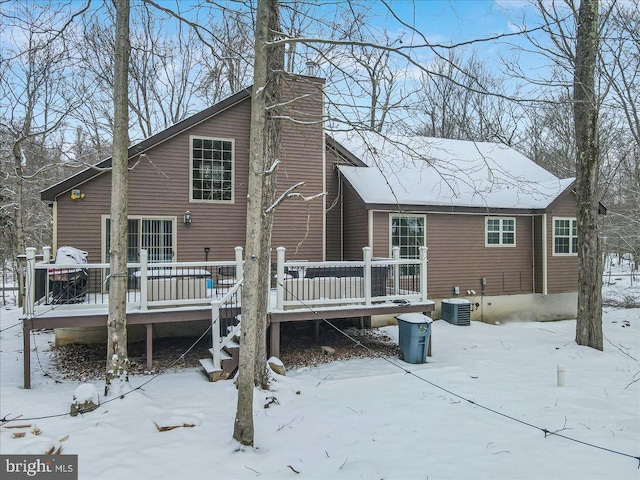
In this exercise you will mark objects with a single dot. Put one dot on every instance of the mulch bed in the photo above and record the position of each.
(298, 346)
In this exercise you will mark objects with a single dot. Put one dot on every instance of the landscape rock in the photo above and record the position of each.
(276, 365)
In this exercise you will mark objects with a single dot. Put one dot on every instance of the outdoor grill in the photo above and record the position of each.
(68, 285)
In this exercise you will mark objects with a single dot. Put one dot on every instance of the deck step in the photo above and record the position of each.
(214, 374)
(224, 355)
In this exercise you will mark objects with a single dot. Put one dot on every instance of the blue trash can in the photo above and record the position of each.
(413, 336)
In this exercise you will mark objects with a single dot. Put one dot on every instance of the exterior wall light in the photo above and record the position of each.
(187, 218)
(76, 194)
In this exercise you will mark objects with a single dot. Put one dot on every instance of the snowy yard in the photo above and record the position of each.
(362, 418)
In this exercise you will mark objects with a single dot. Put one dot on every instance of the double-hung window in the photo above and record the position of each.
(500, 232)
(565, 236)
(212, 170)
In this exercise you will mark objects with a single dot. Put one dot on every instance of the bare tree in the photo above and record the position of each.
(263, 158)
(117, 357)
(589, 319)
(38, 97)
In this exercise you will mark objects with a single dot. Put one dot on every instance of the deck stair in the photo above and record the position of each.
(223, 363)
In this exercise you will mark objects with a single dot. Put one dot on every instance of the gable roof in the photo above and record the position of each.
(415, 171)
(49, 195)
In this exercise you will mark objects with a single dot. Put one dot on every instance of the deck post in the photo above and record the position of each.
(215, 333)
(46, 258)
(395, 254)
(26, 352)
(149, 328)
(280, 257)
(274, 350)
(367, 252)
(423, 274)
(239, 267)
(30, 283)
(144, 273)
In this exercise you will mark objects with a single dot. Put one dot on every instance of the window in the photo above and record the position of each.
(408, 233)
(500, 232)
(565, 236)
(153, 234)
(212, 171)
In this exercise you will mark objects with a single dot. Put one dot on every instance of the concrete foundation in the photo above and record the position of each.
(532, 307)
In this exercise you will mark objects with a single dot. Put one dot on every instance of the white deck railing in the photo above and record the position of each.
(301, 284)
(150, 285)
(297, 284)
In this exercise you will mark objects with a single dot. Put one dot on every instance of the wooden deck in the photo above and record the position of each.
(64, 318)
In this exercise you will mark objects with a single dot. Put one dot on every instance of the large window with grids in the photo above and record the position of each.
(500, 232)
(565, 236)
(408, 233)
(212, 170)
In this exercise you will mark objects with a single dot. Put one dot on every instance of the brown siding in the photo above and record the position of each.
(356, 230)
(458, 257)
(298, 225)
(562, 271)
(163, 189)
(381, 234)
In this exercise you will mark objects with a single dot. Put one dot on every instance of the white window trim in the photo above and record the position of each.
(405, 215)
(500, 245)
(233, 170)
(553, 237)
(103, 232)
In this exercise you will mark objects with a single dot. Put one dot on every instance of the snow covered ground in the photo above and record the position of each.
(362, 418)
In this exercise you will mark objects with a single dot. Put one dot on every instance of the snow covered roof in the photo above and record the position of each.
(424, 171)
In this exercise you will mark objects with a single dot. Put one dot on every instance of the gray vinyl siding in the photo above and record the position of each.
(160, 187)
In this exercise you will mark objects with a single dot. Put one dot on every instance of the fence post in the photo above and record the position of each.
(395, 254)
(423, 273)
(239, 267)
(215, 333)
(367, 253)
(30, 283)
(144, 275)
(280, 256)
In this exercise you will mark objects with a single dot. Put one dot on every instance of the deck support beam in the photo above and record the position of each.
(149, 328)
(274, 347)
(26, 352)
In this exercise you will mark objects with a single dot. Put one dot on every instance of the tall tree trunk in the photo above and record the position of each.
(117, 357)
(589, 321)
(18, 208)
(264, 140)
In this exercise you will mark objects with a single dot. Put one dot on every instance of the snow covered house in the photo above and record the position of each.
(500, 230)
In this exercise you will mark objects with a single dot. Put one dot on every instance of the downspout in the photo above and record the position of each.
(544, 254)
(324, 184)
(533, 250)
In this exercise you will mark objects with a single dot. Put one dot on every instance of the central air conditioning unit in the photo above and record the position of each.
(456, 311)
